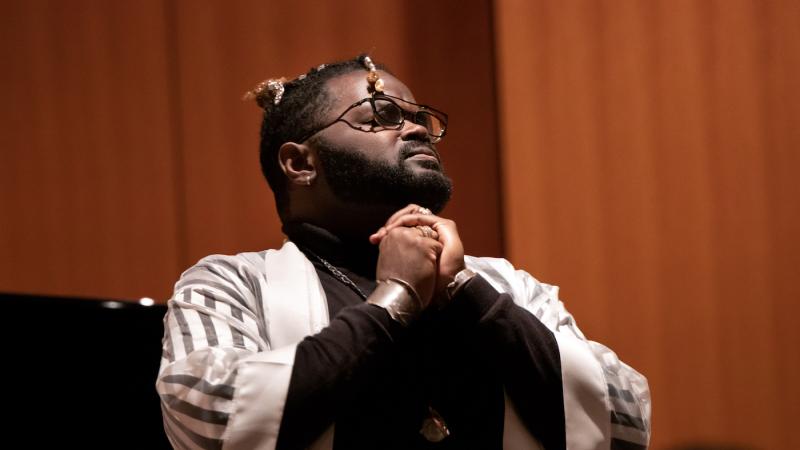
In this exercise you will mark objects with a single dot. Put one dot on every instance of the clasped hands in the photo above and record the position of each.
(427, 260)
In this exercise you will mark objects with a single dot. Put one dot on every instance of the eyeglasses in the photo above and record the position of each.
(387, 114)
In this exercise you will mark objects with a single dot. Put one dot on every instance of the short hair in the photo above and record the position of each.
(298, 112)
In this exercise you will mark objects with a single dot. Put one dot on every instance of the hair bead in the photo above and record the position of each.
(267, 90)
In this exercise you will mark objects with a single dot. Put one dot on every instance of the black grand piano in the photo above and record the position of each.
(80, 373)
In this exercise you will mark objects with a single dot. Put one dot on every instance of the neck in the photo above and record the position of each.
(351, 223)
(353, 251)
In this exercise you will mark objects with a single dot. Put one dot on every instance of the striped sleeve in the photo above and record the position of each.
(214, 339)
(600, 390)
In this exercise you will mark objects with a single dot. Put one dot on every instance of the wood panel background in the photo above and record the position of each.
(226, 48)
(88, 159)
(648, 153)
(127, 151)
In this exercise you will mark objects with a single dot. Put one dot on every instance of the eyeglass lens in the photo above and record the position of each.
(390, 114)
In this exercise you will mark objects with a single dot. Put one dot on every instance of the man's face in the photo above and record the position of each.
(381, 167)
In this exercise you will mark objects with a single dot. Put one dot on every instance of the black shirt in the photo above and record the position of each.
(377, 381)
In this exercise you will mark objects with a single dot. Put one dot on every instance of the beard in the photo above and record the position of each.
(353, 178)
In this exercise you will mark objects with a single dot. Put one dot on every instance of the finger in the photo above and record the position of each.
(436, 246)
(410, 209)
(446, 229)
(447, 233)
(428, 232)
(411, 220)
(375, 238)
(399, 220)
(408, 220)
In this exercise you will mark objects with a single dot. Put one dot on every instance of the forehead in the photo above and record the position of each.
(352, 87)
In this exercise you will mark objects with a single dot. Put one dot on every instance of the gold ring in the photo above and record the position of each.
(427, 231)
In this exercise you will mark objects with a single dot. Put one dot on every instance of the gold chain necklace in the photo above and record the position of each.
(338, 274)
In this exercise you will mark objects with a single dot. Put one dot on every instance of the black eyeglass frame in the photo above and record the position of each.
(414, 116)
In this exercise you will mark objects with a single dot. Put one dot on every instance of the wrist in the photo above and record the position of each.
(398, 298)
(460, 279)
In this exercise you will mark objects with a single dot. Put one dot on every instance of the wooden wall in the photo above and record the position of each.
(128, 154)
(648, 152)
(88, 193)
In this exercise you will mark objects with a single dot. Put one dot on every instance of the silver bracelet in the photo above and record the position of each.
(459, 281)
(410, 290)
(397, 299)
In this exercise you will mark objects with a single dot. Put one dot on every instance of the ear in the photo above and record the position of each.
(298, 162)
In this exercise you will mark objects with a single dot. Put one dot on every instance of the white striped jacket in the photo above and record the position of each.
(234, 322)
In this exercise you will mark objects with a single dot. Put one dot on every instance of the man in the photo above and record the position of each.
(369, 328)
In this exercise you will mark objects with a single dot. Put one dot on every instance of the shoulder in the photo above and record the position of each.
(540, 299)
(242, 265)
(227, 266)
(247, 271)
(506, 278)
(238, 275)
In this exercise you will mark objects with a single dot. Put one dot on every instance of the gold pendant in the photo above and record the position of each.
(433, 427)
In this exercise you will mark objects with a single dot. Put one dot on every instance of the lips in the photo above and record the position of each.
(422, 153)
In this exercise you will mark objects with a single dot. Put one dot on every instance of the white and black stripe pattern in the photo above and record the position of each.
(629, 401)
(628, 391)
(212, 322)
(217, 317)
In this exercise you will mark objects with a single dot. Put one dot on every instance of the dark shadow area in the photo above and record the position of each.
(81, 372)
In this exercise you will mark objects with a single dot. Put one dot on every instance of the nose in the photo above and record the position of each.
(412, 131)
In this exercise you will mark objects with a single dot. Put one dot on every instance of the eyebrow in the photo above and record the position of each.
(412, 102)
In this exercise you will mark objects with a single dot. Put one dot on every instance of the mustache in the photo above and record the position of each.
(411, 147)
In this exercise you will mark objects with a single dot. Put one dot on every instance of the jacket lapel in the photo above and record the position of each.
(295, 302)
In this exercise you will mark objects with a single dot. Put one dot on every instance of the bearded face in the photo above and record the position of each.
(356, 178)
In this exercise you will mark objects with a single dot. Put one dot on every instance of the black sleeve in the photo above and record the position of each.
(329, 365)
(524, 351)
